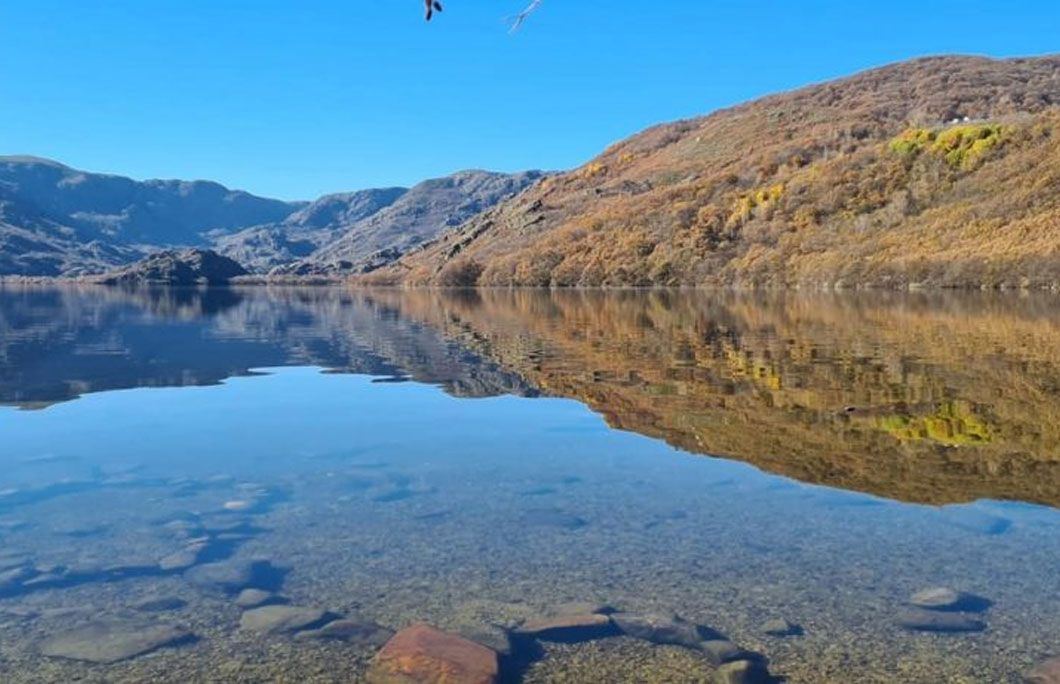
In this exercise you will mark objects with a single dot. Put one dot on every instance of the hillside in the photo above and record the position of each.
(941, 171)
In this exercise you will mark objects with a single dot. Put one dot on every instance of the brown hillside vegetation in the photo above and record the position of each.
(913, 396)
(941, 171)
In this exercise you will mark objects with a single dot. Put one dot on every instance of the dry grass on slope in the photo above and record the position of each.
(862, 181)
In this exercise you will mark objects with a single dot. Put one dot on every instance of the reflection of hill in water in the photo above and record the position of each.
(914, 397)
(920, 398)
(56, 344)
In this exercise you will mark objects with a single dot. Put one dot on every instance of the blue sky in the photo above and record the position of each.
(294, 98)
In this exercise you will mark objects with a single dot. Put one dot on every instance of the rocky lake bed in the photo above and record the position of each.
(324, 577)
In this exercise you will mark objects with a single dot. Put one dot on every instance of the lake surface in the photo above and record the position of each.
(475, 459)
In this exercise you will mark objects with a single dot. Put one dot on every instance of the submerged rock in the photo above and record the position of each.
(975, 521)
(112, 641)
(1045, 672)
(159, 604)
(658, 629)
(721, 651)
(363, 633)
(283, 619)
(921, 620)
(742, 672)
(423, 654)
(180, 560)
(779, 627)
(944, 598)
(225, 577)
(13, 578)
(490, 636)
(583, 627)
(553, 517)
(254, 598)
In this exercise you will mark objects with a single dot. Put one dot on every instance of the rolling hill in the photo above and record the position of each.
(941, 171)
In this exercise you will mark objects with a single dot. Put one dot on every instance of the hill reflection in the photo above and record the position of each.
(925, 398)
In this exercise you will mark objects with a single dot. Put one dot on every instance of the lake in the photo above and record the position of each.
(541, 472)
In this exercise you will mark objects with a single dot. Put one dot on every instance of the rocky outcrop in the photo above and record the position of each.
(177, 267)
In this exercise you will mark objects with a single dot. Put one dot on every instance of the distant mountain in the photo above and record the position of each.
(941, 171)
(55, 220)
(356, 232)
(264, 247)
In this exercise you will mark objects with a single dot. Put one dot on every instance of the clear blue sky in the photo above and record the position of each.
(294, 98)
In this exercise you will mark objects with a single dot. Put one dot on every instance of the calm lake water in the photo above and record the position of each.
(475, 459)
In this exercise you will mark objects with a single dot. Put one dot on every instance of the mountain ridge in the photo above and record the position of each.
(56, 220)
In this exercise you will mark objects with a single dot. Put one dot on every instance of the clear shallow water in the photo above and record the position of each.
(455, 464)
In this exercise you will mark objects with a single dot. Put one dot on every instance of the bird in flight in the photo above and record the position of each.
(432, 7)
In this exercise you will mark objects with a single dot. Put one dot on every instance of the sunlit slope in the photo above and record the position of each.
(940, 171)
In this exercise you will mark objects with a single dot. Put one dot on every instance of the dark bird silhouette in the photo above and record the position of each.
(432, 7)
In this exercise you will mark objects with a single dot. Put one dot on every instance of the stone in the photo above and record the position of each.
(160, 604)
(658, 629)
(742, 672)
(582, 627)
(976, 521)
(721, 651)
(1045, 672)
(779, 627)
(490, 636)
(359, 632)
(226, 577)
(15, 577)
(283, 619)
(579, 608)
(254, 598)
(552, 517)
(944, 598)
(921, 620)
(112, 641)
(180, 560)
(421, 654)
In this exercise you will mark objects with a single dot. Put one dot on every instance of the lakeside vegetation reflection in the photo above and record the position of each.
(933, 398)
